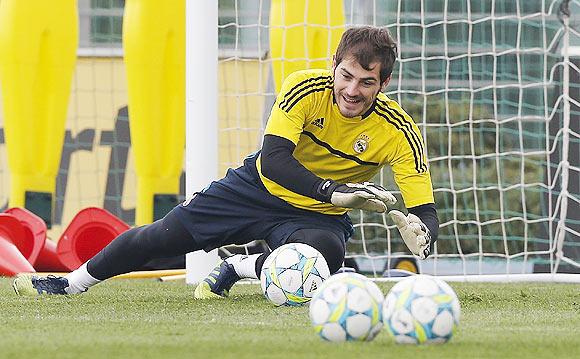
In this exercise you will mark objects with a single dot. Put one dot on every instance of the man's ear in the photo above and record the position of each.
(385, 83)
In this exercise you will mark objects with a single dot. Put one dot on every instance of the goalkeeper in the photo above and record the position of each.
(328, 134)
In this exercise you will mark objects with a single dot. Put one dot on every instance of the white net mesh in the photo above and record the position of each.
(488, 83)
(485, 82)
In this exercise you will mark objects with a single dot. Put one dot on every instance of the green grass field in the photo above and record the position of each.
(149, 319)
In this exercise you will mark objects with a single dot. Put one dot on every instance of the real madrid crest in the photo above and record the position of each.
(361, 143)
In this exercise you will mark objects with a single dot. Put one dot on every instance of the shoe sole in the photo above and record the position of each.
(22, 285)
(203, 291)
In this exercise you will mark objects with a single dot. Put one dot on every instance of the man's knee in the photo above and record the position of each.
(329, 244)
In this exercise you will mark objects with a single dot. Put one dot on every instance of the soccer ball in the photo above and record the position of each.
(347, 307)
(421, 309)
(292, 273)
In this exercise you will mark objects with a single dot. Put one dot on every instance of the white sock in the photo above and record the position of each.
(80, 280)
(244, 265)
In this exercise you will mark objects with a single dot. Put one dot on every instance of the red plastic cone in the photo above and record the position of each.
(43, 255)
(12, 261)
(34, 233)
(48, 260)
(88, 232)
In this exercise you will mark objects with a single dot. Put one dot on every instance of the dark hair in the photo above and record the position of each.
(368, 44)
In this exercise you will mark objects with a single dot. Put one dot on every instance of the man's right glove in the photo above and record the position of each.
(366, 196)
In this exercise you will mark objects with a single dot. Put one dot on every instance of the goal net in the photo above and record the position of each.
(493, 86)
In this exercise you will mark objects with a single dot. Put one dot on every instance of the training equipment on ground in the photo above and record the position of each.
(40, 251)
(88, 232)
(292, 273)
(13, 241)
(347, 307)
(421, 309)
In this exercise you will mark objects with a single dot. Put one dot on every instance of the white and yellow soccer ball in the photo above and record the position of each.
(347, 307)
(291, 274)
(421, 309)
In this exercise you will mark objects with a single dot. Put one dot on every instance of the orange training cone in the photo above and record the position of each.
(12, 261)
(48, 260)
(43, 256)
(88, 232)
(34, 233)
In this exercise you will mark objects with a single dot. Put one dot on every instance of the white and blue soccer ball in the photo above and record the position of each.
(292, 273)
(421, 309)
(347, 307)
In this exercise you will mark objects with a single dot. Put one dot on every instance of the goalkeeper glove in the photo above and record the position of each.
(414, 232)
(366, 196)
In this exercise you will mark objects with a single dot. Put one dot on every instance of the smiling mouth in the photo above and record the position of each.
(350, 100)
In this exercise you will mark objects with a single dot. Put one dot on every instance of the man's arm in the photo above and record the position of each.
(280, 166)
(428, 215)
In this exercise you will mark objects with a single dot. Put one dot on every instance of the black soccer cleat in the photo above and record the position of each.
(31, 285)
(218, 283)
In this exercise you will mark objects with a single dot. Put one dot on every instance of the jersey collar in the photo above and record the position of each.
(370, 110)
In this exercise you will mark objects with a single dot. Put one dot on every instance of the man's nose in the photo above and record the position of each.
(352, 89)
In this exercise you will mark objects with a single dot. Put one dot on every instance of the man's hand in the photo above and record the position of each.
(366, 196)
(414, 232)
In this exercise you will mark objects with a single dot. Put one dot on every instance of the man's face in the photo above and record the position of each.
(355, 88)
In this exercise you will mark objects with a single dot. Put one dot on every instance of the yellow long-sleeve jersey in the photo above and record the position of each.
(346, 149)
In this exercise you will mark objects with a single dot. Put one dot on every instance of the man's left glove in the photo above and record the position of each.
(414, 232)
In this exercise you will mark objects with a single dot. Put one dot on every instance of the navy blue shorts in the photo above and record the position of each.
(238, 209)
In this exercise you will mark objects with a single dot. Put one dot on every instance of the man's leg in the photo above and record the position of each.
(166, 237)
(222, 278)
(328, 243)
(130, 250)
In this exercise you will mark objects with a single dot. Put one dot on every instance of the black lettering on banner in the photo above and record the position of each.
(83, 141)
(120, 141)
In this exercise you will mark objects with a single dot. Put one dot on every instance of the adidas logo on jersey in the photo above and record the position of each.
(319, 122)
